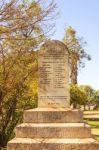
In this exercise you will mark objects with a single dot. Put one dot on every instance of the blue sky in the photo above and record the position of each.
(83, 16)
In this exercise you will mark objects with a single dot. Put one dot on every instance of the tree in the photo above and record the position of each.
(90, 93)
(77, 54)
(77, 96)
(96, 99)
(23, 28)
(84, 95)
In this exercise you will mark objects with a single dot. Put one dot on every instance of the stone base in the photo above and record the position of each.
(51, 129)
(53, 144)
(49, 115)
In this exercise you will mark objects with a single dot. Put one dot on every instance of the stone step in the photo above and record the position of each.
(52, 144)
(53, 130)
(49, 115)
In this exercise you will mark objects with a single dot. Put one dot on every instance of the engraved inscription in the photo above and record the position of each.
(53, 75)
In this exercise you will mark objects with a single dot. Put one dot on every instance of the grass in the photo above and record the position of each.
(93, 122)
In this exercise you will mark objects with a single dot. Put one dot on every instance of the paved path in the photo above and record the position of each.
(91, 114)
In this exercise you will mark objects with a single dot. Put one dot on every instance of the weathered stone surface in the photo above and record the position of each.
(53, 75)
(49, 115)
(53, 136)
(53, 130)
(53, 144)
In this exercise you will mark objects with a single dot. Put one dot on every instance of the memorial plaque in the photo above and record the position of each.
(53, 70)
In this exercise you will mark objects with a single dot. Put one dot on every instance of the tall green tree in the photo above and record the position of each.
(77, 54)
(23, 28)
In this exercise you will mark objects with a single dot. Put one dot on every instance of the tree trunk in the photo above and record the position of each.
(84, 107)
(74, 106)
(88, 107)
(74, 72)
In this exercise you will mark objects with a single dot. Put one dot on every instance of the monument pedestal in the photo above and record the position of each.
(53, 129)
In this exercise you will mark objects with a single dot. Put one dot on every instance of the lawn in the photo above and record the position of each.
(92, 118)
(95, 128)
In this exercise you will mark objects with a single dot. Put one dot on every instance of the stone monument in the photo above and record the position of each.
(53, 76)
(53, 125)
